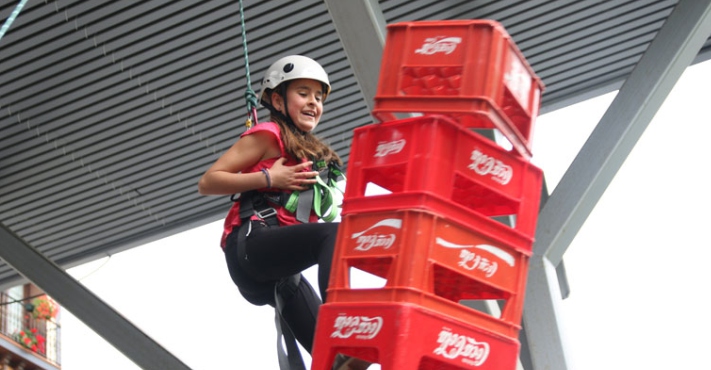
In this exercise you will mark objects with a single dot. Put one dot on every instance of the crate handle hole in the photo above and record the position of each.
(372, 189)
(360, 279)
(490, 307)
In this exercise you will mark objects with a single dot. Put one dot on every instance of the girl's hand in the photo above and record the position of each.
(298, 177)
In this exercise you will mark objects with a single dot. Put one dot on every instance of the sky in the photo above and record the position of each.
(638, 269)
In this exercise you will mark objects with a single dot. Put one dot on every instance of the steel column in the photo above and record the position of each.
(673, 49)
(361, 28)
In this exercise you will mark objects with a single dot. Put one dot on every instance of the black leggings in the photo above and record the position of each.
(271, 254)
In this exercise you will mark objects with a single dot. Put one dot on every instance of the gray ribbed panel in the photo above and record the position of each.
(110, 111)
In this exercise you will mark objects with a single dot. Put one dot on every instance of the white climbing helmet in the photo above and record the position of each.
(293, 67)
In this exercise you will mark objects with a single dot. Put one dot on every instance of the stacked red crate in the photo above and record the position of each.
(406, 336)
(470, 70)
(434, 155)
(457, 218)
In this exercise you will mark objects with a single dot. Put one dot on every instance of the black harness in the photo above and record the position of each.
(260, 204)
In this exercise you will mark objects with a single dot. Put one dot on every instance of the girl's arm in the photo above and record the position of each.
(224, 177)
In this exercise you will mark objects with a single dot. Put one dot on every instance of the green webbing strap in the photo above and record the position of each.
(249, 95)
(11, 18)
(335, 175)
(292, 202)
(320, 197)
(324, 195)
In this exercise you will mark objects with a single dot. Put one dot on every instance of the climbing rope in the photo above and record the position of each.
(12, 17)
(250, 96)
(289, 359)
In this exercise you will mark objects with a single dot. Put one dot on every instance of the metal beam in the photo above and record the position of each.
(540, 317)
(361, 28)
(672, 50)
(86, 306)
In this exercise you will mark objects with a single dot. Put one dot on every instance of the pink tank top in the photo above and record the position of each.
(285, 217)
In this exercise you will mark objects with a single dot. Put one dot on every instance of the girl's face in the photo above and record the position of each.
(305, 100)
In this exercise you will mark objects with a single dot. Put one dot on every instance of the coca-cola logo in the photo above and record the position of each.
(473, 260)
(485, 165)
(434, 45)
(452, 346)
(366, 240)
(360, 327)
(389, 147)
(469, 260)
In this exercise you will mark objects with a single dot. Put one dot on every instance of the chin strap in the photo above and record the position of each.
(285, 117)
(289, 122)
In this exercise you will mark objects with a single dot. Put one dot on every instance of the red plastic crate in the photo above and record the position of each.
(445, 208)
(470, 70)
(434, 154)
(430, 261)
(401, 336)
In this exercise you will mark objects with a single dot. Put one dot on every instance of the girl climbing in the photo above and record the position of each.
(285, 177)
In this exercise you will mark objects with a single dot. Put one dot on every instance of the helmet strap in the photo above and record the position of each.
(285, 117)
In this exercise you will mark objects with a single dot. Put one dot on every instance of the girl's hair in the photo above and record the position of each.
(304, 144)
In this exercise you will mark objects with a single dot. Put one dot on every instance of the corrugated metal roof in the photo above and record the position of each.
(110, 111)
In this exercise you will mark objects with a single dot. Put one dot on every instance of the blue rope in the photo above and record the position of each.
(12, 17)
(250, 96)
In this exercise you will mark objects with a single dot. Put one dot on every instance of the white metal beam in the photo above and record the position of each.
(673, 49)
(361, 28)
(86, 306)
